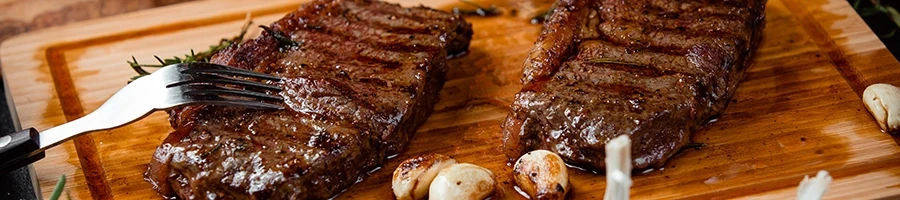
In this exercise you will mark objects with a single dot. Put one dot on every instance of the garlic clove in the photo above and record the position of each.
(462, 181)
(542, 175)
(413, 177)
(883, 101)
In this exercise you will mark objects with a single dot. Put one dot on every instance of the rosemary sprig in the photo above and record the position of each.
(60, 185)
(612, 61)
(540, 18)
(202, 56)
(479, 10)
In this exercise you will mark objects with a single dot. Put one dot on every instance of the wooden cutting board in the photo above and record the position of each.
(797, 111)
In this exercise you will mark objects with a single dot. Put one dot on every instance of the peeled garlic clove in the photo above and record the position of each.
(542, 175)
(883, 101)
(814, 188)
(462, 181)
(413, 177)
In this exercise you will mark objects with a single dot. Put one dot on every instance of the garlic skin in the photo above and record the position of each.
(462, 181)
(413, 177)
(542, 175)
(883, 101)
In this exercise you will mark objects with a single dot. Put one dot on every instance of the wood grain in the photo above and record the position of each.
(797, 111)
(20, 16)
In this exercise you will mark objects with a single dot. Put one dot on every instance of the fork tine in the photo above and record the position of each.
(215, 79)
(212, 90)
(209, 68)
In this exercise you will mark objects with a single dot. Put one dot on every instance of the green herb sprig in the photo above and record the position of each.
(60, 185)
(202, 56)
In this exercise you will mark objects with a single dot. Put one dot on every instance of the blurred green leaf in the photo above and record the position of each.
(868, 11)
(60, 185)
(875, 10)
(895, 16)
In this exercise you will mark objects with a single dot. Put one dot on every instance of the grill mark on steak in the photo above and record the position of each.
(598, 49)
(343, 56)
(352, 101)
(337, 45)
(733, 10)
(664, 21)
(398, 22)
(375, 36)
(420, 14)
(634, 69)
(671, 66)
(599, 79)
(341, 66)
(671, 41)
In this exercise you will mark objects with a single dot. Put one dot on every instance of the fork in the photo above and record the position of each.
(170, 86)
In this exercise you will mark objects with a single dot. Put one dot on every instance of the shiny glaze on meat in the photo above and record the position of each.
(362, 78)
(653, 69)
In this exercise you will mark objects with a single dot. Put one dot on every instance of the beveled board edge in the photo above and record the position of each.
(85, 33)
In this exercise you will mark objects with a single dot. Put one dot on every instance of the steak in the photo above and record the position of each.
(655, 70)
(359, 77)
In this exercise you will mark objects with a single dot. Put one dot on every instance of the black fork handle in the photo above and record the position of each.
(19, 149)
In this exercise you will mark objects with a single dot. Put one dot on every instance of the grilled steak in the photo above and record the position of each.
(655, 70)
(359, 77)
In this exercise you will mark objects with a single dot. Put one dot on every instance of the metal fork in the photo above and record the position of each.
(170, 86)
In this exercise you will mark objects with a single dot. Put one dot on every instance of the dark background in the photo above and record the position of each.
(884, 20)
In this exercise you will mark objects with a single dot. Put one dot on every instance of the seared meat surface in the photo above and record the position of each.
(656, 70)
(359, 77)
